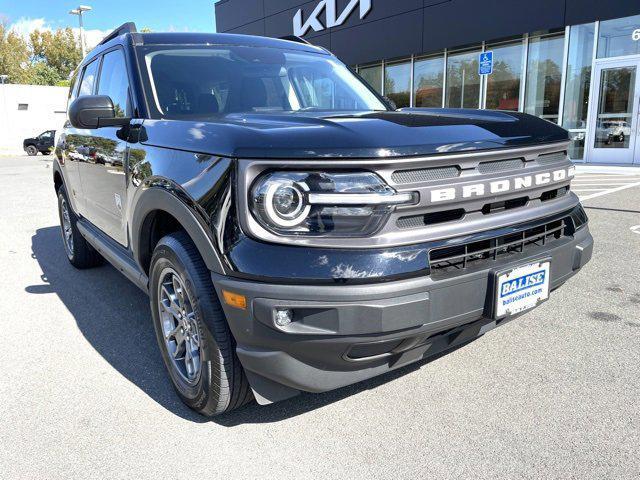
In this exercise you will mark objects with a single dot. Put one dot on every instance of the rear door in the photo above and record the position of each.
(103, 173)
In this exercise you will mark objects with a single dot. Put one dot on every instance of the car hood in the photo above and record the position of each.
(353, 135)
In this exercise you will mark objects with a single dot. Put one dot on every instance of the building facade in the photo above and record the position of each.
(573, 62)
(27, 111)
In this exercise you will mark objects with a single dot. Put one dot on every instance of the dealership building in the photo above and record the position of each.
(573, 62)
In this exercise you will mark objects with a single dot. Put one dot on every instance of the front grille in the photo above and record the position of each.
(424, 175)
(550, 158)
(501, 165)
(445, 259)
(418, 221)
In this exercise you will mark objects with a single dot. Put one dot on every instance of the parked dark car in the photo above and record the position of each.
(43, 143)
(294, 232)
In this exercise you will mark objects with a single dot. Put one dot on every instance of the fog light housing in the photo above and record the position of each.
(283, 317)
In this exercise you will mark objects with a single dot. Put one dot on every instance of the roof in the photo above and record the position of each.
(175, 38)
(127, 33)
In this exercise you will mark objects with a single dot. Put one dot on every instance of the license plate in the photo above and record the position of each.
(522, 288)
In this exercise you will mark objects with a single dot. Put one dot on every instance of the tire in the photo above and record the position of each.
(79, 252)
(219, 384)
(31, 150)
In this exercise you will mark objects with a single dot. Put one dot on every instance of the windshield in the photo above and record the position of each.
(203, 81)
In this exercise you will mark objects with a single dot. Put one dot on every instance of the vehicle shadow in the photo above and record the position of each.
(114, 317)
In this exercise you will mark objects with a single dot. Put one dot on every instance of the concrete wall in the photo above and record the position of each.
(46, 110)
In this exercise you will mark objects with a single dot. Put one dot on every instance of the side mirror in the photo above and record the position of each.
(94, 111)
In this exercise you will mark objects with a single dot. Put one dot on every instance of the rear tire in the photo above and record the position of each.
(79, 252)
(31, 150)
(192, 332)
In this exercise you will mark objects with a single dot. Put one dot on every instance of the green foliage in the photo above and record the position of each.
(40, 73)
(47, 58)
(59, 50)
(14, 56)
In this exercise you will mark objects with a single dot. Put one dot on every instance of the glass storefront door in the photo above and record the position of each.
(614, 118)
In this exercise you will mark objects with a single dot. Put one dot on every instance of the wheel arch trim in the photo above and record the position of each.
(157, 199)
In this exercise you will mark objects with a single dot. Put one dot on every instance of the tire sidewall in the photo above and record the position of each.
(62, 197)
(196, 396)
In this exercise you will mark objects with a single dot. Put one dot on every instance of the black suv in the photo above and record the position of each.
(293, 231)
(43, 143)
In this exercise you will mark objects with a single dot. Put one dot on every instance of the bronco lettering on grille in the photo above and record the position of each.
(500, 186)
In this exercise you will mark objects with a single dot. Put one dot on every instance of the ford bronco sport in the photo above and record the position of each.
(293, 231)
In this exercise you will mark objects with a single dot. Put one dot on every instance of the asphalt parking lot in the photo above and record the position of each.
(83, 392)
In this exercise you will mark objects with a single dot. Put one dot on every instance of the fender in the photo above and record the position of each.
(160, 198)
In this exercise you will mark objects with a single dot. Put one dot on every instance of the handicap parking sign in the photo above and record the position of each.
(485, 63)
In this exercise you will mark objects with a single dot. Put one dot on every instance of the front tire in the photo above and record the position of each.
(80, 254)
(193, 336)
(31, 150)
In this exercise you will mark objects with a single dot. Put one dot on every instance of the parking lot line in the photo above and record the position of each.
(576, 190)
(598, 184)
(611, 190)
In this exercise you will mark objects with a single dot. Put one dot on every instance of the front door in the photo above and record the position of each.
(615, 113)
(103, 171)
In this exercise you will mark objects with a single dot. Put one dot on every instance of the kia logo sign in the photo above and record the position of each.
(331, 15)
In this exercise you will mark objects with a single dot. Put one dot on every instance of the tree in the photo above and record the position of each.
(40, 73)
(59, 50)
(48, 58)
(14, 56)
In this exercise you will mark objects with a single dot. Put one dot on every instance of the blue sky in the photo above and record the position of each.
(158, 15)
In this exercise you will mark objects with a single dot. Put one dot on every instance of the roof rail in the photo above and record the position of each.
(128, 27)
(293, 38)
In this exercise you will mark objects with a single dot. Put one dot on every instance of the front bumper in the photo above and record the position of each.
(343, 334)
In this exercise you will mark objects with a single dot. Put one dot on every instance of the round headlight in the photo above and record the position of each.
(285, 204)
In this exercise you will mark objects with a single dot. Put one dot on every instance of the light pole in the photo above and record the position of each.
(78, 11)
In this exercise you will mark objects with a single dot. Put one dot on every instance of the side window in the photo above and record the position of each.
(88, 79)
(73, 90)
(114, 82)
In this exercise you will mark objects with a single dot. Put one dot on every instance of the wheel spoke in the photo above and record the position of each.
(179, 325)
(180, 350)
(188, 360)
(169, 302)
(179, 292)
(173, 333)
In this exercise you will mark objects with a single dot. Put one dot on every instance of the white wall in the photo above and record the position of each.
(46, 111)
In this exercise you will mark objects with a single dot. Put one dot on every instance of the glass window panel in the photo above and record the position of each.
(619, 37)
(576, 148)
(615, 107)
(544, 77)
(428, 81)
(503, 85)
(373, 76)
(89, 79)
(397, 83)
(114, 82)
(578, 76)
(463, 80)
(576, 99)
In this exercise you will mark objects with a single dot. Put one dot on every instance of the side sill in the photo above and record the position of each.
(114, 254)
